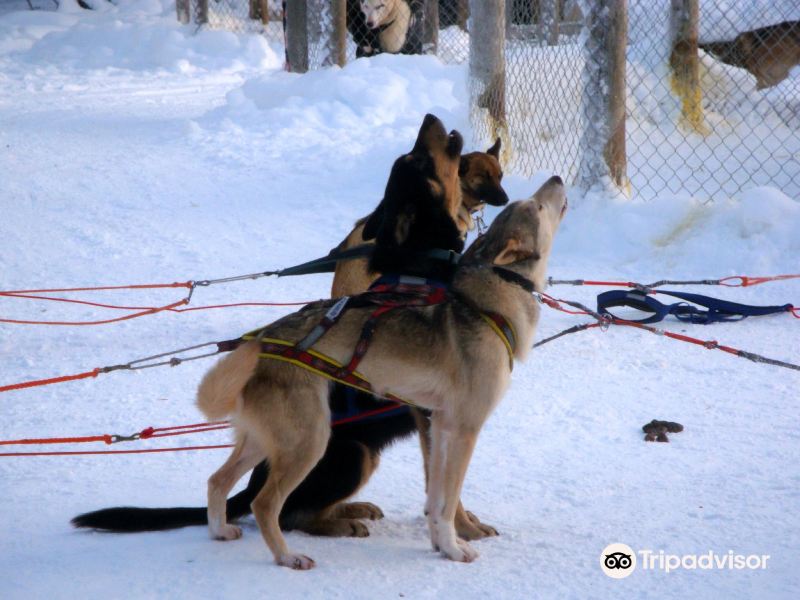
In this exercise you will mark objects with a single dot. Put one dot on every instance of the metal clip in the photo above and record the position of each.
(125, 438)
(479, 222)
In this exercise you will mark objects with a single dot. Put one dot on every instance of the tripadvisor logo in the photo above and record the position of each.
(618, 561)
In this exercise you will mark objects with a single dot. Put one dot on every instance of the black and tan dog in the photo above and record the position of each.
(448, 357)
(480, 178)
(316, 506)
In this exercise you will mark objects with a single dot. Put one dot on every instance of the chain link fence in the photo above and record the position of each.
(711, 100)
(374, 27)
(712, 105)
(241, 16)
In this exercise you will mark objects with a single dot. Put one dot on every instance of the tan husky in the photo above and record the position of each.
(448, 358)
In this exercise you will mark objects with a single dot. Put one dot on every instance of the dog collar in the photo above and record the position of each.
(383, 28)
(514, 277)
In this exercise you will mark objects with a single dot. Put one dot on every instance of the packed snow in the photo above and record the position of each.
(135, 150)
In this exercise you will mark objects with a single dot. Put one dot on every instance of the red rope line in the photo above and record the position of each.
(145, 286)
(66, 440)
(37, 382)
(745, 281)
(179, 310)
(150, 311)
(299, 303)
(143, 451)
(156, 432)
(733, 281)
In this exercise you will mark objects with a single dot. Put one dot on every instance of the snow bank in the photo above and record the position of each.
(134, 35)
(759, 227)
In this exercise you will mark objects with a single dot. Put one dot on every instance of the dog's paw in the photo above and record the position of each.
(226, 533)
(470, 527)
(359, 510)
(298, 562)
(358, 529)
(461, 552)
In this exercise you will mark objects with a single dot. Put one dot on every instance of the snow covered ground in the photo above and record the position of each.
(132, 151)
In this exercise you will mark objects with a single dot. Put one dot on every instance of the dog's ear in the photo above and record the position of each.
(463, 165)
(476, 250)
(495, 149)
(512, 253)
(373, 223)
(403, 223)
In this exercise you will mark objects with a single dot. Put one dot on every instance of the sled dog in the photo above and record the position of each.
(317, 505)
(447, 357)
(393, 26)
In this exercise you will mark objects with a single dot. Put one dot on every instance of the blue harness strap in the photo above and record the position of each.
(717, 310)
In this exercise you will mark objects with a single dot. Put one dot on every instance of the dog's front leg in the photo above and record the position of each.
(451, 451)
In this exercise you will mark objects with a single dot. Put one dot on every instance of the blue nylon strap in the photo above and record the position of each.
(718, 310)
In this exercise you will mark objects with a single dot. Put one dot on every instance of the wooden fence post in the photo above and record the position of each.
(462, 14)
(259, 11)
(430, 38)
(487, 65)
(201, 17)
(337, 36)
(297, 36)
(182, 6)
(548, 22)
(685, 64)
(603, 141)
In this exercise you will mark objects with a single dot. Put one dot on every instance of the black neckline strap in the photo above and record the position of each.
(514, 277)
(327, 264)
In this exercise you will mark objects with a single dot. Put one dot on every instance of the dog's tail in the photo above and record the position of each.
(131, 519)
(222, 385)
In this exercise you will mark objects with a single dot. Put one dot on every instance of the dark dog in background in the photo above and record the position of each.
(769, 53)
(480, 176)
(392, 26)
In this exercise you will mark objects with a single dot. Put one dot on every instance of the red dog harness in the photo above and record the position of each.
(388, 293)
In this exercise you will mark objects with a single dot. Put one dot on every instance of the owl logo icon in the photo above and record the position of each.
(618, 561)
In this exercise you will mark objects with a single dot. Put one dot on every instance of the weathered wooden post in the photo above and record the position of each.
(548, 22)
(182, 6)
(430, 38)
(337, 41)
(487, 64)
(201, 17)
(462, 13)
(297, 36)
(685, 64)
(603, 141)
(259, 11)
